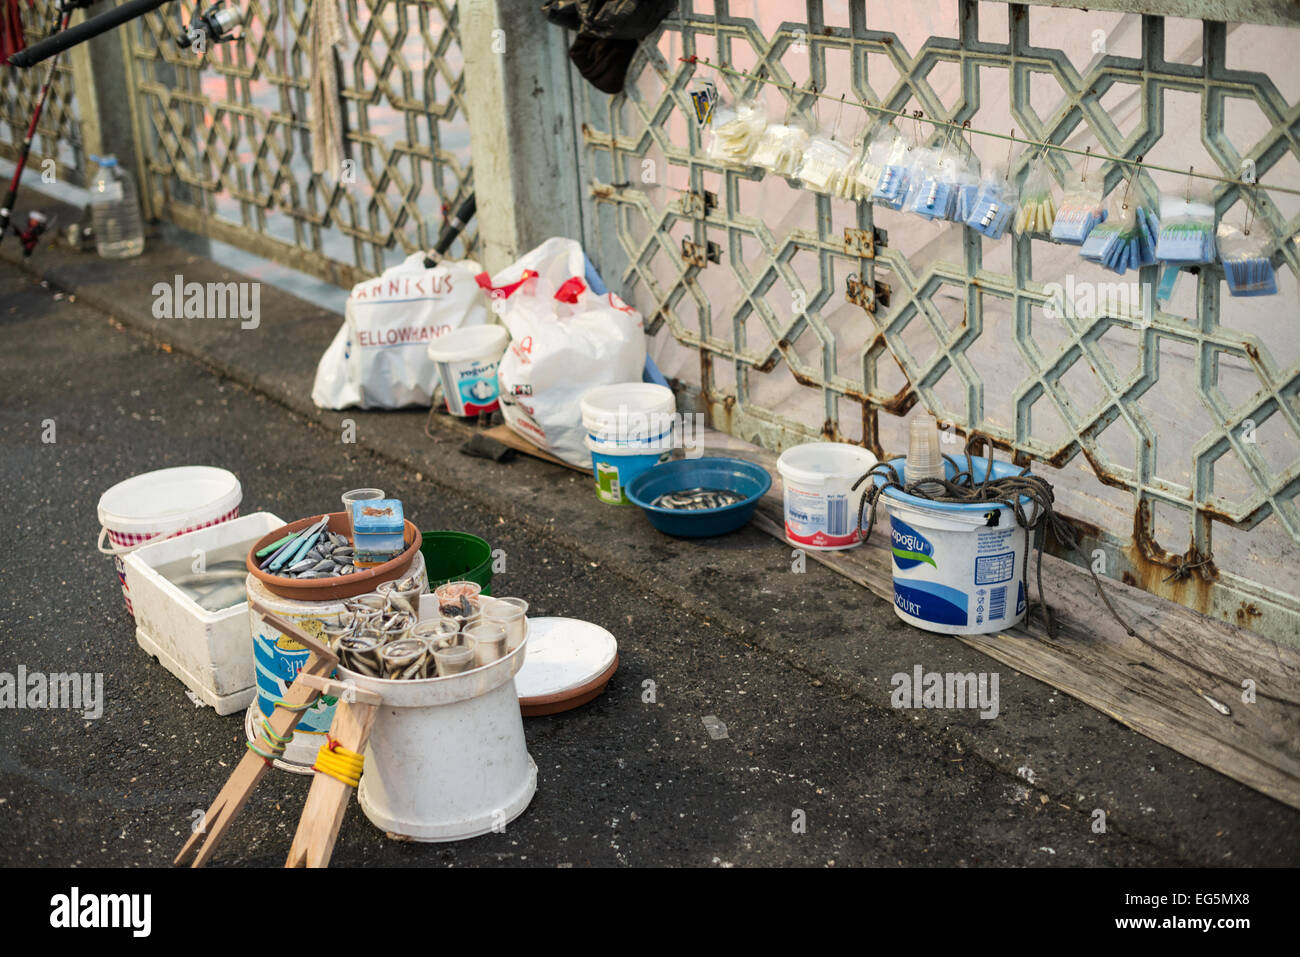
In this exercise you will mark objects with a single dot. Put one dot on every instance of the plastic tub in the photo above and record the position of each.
(630, 414)
(446, 759)
(466, 360)
(958, 568)
(161, 504)
(617, 466)
(207, 650)
(821, 508)
(735, 475)
(457, 556)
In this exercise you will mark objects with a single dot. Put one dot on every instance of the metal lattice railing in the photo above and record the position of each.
(1169, 428)
(58, 135)
(227, 138)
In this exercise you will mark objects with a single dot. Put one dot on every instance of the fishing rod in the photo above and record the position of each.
(214, 26)
(64, 11)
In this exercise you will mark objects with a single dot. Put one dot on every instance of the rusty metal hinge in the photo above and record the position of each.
(698, 254)
(856, 292)
(862, 243)
(697, 205)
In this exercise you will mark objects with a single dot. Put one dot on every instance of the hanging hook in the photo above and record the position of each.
(838, 114)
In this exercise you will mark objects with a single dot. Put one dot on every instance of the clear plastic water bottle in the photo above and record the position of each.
(115, 211)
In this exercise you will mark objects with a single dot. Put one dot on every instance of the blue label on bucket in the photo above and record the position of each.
(277, 663)
(910, 547)
(931, 602)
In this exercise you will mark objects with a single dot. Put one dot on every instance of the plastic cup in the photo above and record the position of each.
(923, 458)
(453, 659)
(440, 632)
(488, 639)
(397, 626)
(405, 659)
(409, 595)
(511, 614)
(450, 594)
(358, 495)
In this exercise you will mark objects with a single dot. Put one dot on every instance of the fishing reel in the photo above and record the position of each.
(38, 224)
(210, 28)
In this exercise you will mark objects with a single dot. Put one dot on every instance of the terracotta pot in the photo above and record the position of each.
(360, 582)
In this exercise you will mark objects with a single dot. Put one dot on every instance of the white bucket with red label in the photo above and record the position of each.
(821, 506)
(467, 360)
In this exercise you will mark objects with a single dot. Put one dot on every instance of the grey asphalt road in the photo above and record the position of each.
(622, 781)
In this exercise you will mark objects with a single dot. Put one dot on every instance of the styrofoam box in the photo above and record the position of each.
(209, 651)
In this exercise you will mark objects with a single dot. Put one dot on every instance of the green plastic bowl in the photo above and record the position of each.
(457, 556)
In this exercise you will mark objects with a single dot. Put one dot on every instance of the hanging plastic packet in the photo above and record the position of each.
(1247, 265)
(826, 165)
(1125, 240)
(827, 162)
(933, 191)
(875, 156)
(1037, 205)
(780, 148)
(967, 187)
(1081, 208)
(895, 175)
(734, 133)
(994, 205)
(1186, 227)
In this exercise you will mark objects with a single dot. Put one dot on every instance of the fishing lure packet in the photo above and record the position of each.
(876, 152)
(780, 149)
(1187, 229)
(932, 193)
(1080, 211)
(1247, 265)
(895, 175)
(1124, 241)
(1037, 212)
(994, 206)
(827, 165)
(734, 133)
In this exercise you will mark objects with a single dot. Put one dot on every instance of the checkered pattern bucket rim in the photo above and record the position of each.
(124, 542)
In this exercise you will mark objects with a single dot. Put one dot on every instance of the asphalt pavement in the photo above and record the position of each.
(816, 767)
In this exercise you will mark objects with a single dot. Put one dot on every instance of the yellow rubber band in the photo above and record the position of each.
(340, 764)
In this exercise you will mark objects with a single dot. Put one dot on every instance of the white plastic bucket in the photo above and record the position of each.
(277, 659)
(467, 360)
(162, 504)
(821, 508)
(615, 466)
(446, 759)
(633, 414)
(958, 568)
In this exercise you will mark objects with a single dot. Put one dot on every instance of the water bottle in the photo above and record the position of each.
(115, 211)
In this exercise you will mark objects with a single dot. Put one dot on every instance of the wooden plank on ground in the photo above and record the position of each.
(1170, 683)
(508, 436)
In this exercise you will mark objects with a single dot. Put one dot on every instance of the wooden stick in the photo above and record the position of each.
(248, 773)
(327, 801)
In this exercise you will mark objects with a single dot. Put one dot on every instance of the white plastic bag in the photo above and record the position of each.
(378, 359)
(564, 339)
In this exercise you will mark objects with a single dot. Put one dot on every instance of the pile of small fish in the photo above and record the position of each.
(330, 557)
(697, 499)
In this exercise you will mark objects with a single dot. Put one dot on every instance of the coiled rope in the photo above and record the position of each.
(339, 762)
(964, 488)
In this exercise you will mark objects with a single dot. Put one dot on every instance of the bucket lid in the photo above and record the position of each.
(469, 342)
(604, 402)
(816, 463)
(155, 501)
(569, 662)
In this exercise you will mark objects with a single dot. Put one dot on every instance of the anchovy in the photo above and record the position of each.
(698, 499)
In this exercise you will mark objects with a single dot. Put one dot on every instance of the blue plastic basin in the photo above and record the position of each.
(734, 475)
